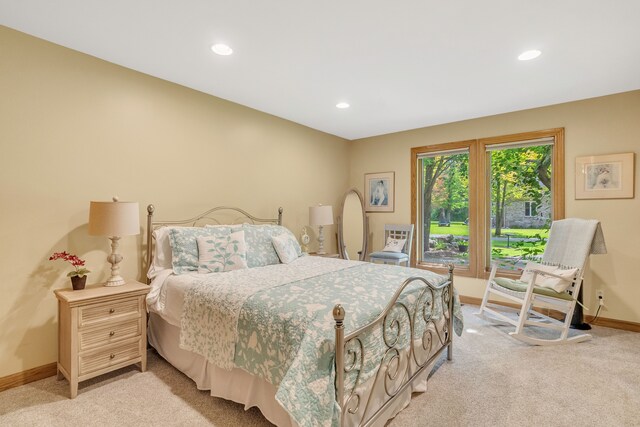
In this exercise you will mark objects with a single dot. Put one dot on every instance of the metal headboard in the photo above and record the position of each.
(204, 218)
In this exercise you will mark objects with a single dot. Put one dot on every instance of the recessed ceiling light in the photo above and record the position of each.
(530, 54)
(342, 105)
(221, 49)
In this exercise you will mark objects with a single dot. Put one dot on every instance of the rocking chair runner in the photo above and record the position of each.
(554, 283)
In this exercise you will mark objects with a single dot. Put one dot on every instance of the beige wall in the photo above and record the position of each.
(74, 129)
(603, 125)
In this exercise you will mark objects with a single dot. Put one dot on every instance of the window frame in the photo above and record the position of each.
(480, 204)
(416, 201)
(532, 207)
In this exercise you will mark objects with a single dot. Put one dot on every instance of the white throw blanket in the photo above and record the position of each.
(214, 302)
(571, 241)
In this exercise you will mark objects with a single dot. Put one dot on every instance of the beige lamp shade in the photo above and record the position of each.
(114, 218)
(320, 215)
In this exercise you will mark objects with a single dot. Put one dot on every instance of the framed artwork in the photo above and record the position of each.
(605, 177)
(379, 191)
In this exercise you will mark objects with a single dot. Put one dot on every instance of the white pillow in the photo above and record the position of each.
(550, 282)
(286, 247)
(184, 246)
(221, 253)
(162, 253)
(394, 245)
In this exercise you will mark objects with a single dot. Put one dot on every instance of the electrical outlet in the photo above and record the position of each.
(600, 296)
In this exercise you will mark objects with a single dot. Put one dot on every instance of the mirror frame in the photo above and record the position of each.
(365, 227)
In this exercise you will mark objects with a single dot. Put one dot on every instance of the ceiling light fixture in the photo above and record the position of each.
(529, 54)
(342, 105)
(221, 49)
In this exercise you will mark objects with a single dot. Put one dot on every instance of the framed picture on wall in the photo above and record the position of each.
(605, 177)
(379, 191)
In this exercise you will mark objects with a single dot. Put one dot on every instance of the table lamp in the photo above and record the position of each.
(114, 219)
(320, 215)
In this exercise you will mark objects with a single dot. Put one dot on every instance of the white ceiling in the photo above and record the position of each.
(400, 64)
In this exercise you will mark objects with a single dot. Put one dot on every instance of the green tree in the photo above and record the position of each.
(504, 166)
(537, 171)
(432, 169)
(451, 191)
(516, 174)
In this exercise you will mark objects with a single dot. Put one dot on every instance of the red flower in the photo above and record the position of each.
(73, 260)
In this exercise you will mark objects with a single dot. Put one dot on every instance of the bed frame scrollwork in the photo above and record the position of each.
(400, 366)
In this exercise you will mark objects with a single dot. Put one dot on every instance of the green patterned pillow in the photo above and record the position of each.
(184, 247)
(222, 253)
(260, 250)
(287, 247)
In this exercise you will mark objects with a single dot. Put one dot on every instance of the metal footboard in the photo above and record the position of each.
(400, 364)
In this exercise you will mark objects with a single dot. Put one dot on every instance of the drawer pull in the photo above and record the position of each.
(111, 311)
(112, 333)
(111, 356)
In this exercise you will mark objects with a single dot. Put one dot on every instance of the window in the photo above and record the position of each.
(486, 200)
(518, 172)
(530, 209)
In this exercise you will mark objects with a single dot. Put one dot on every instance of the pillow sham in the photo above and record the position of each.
(260, 250)
(550, 282)
(394, 245)
(221, 253)
(285, 246)
(184, 247)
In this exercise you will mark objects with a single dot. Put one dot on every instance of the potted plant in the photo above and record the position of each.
(79, 274)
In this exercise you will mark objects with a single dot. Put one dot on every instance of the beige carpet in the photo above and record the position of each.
(493, 381)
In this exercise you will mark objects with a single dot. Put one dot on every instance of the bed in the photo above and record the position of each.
(237, 307)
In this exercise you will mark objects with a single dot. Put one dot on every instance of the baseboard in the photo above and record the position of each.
(28, 376)
(602, 321)
(614, 323)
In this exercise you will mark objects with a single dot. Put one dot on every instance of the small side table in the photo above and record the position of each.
(101, 329)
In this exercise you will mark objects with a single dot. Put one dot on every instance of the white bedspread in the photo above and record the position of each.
(166, 297)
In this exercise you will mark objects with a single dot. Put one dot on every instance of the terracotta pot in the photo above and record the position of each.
(78, 282)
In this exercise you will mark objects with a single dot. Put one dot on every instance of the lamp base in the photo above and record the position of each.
(321, 250)
(115, 281)
(114, 259)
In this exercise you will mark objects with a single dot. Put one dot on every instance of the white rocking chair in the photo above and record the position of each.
(554, 283)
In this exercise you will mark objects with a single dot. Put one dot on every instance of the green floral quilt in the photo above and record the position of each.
(280, 327)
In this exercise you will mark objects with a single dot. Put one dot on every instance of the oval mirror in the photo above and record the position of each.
(352, 227)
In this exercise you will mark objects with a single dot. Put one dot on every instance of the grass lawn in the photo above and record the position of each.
(456, 228)
(461, 229)
(508, 252)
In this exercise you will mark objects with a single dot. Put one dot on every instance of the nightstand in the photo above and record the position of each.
(101, 329)
(324, 255)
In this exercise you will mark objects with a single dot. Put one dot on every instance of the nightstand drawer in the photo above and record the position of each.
(108, 357)
(117, 310)
(109, 334)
